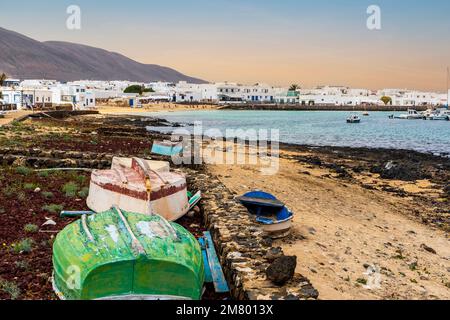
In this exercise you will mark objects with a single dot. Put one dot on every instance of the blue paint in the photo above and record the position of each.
(208, 275)
(263, 204)
(218, 278)
(166, 150)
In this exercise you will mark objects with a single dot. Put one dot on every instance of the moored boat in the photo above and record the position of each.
(354, 118)
(411, 115)
(119, 255)
(439, 114)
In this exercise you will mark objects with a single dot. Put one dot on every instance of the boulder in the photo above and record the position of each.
(282, 270)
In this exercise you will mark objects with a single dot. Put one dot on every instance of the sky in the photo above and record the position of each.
(280, 42)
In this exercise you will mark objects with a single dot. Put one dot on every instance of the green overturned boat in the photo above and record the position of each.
(127, 256)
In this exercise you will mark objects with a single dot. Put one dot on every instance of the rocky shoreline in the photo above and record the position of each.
(248, 257)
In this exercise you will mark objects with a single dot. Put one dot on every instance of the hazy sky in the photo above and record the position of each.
(275, 41)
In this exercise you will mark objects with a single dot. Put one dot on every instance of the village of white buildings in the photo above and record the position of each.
(85, 94)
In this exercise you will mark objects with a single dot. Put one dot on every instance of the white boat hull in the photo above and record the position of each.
(136, 187)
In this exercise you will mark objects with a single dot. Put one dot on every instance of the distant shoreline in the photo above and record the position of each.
(360, 108)
(173, 107)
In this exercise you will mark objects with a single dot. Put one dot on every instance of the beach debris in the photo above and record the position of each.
(282, 270)
(49, 222)
(428, 249)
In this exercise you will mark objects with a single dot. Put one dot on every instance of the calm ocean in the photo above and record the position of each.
(328, 128)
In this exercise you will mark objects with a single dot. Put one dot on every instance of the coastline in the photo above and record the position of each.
(349, 212)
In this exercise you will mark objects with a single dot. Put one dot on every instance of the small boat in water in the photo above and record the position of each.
(272, 214)
(354, 118)
(119, 255)
(141, 186)
(366, 114)
(439, 114)
(411, 115)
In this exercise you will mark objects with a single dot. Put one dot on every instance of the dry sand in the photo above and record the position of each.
(341, 228)
(11, 115)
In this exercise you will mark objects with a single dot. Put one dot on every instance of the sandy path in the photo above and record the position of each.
(342, 228)
(10, 116)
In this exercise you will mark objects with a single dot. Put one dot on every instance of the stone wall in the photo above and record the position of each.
(241, 245)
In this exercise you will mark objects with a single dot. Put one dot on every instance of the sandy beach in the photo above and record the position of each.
(341, 228)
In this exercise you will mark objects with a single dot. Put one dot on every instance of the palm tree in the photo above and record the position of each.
(294, 87)
(3, 77)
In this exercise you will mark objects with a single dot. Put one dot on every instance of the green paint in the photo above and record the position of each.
(110, 267)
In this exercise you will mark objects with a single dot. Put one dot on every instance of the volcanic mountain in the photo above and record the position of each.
(24, 58)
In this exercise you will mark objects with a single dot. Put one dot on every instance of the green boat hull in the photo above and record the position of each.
(127, 256)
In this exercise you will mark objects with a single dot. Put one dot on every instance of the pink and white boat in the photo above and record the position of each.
(140, 186)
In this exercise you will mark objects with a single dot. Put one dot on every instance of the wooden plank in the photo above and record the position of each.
(220, 284)
(208, 276)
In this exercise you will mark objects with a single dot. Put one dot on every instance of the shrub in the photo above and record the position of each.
(10, 190)
(83, 193)
(25, 245)
(81, 179)
(53, 208)
(31, 228)
(30, 186)
(21, 264)
(70, 189)
(10, 288)
(25, 171)
(47, 194)
(43, 174)
(21, 196)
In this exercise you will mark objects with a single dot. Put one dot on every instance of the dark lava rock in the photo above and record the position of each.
(398, 171)
(447, 190)
(428, 249)
(274, 253)
(309, 292)
(282, 270)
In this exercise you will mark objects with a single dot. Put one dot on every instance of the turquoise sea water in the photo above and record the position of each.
(328, 128)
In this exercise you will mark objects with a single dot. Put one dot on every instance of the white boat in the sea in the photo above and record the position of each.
(411, 115)
(354, 118)
(439, 114)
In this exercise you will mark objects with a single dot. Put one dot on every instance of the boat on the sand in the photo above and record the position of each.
(167, 148)
(354, 118)
(272, 214)
(119, 255)
(141, 186)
